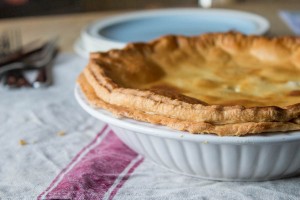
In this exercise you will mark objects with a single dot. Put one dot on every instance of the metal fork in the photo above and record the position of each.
(11, 43)
(34, 61)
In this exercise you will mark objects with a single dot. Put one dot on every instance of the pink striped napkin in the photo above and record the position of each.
(99, 169)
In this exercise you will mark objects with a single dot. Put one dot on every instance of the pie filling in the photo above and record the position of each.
(223, 85)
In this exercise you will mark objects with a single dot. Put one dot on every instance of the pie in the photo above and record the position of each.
(227, 84)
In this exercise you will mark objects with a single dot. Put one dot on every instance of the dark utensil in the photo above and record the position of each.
(44, 77)
(15, 79)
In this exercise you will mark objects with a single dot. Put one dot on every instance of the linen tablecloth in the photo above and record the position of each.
(51, 149)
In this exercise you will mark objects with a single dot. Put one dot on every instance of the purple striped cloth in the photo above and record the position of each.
(98, 171)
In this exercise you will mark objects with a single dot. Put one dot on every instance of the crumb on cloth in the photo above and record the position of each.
(61, 133)
(22, 142)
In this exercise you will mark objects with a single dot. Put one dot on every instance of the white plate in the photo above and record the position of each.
(116, 32)
(249, 158)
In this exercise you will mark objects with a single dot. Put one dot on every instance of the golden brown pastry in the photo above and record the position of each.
(224, 83)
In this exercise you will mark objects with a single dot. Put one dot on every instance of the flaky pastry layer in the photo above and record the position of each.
(239, 129)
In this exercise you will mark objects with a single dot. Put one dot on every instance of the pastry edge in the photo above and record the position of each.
(237, 129)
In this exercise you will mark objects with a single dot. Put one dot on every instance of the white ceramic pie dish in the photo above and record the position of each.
(250, 158)
(115, 32)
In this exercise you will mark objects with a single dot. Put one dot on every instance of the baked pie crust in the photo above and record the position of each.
(221, 83)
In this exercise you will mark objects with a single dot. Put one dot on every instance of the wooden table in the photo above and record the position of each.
(68, 27)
